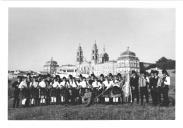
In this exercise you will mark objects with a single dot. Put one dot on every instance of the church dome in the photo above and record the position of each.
(105, 57)
(51, 62)
(128, 55)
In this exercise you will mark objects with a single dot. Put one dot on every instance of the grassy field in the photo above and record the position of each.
(94, 112)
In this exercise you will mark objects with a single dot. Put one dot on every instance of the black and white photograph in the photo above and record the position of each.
(91, 63)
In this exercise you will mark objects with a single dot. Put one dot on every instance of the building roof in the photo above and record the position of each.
(67, 65)
(128, 55)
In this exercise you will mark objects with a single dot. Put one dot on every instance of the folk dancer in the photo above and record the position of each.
(34, 92)
(165, 86)
(42, 89)
(48, 82)
(16, 95)
(55, 91)
(73, 90)
(108, 88)
(64, 91)
(101, 88)
(143, 84)
(134, 83)
(153, 85)
(23, 89)
(116, 90)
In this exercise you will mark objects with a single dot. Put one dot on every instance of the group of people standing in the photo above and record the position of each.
(151, 84)
(46, 89)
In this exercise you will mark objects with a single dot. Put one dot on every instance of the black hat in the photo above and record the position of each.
(110, 75)
(133, 72)
(164, 72)
(101, 75)
(92, 75)
(156, 72)
(70, 76)
(119, 75)
(152, 71)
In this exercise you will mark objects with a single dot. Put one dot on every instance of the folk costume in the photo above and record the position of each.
(143, 84)
(134, 83)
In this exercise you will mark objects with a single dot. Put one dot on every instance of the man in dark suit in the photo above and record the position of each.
(143, 84)
(165, 87)
(16, 92)
(153, 85)
(134, 83)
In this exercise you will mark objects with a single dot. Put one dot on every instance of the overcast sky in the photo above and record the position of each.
(37, 34)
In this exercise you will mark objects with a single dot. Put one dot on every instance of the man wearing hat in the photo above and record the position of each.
(143, 84)
(165, 87)
(153, 85)
(16, 92)
(134, 83)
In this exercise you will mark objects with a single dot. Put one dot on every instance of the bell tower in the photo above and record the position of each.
(79, 57)
(95, 55)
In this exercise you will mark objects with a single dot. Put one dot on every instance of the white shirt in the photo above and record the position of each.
(167, 81)
(108, 84)
(55, 84)
(23, 84)
(83, 84)
(72, 84)
(116, 83)
(34, 84)
(42, 84)
(63, 83)
(100, 84)
(95, 84)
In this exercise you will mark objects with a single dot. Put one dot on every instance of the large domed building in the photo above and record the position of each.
(51, 66)
(100, 63)
(127, 62)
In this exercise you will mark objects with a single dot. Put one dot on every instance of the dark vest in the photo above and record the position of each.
(134, 82)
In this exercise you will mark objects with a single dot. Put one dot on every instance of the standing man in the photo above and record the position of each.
(152, 86)
(165, 85)
(16, 92)
(134, 83)
(143, 84)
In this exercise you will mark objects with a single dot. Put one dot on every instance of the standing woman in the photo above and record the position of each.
(73, 89)
(165, 85)
(108, 88)
(55, 88)
(34, 91)
(42, 86)
(64, 90)
(23, 89)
